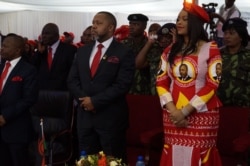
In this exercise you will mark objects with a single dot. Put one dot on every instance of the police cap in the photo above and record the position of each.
(137, 17)
(234, 22)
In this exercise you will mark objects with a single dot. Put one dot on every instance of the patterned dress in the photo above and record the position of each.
(196, 144)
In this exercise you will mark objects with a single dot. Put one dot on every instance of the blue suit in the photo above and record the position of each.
(18, 95)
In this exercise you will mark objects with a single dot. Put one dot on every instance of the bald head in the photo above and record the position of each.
(50, 34)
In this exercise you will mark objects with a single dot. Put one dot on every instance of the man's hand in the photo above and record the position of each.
(152, 37)
(86, 104)
(40, 47)
(2, 121)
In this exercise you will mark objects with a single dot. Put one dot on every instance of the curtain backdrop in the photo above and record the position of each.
(30, 23)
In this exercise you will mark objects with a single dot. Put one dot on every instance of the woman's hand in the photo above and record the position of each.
(182, 123)
(178, 118)
(173, 33)
(176, 115)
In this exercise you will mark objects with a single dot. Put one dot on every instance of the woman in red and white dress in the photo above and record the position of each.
(190, 115)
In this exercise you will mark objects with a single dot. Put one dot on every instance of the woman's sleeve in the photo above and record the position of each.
(163, 80)
(204, 95)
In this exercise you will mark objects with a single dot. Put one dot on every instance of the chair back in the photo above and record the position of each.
(53, 118)
(56, 110)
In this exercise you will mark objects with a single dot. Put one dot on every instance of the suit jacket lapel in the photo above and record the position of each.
(107, 54)
(57, 54)
(14, 72)
(85, 57)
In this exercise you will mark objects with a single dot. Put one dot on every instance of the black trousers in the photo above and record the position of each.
(13, 154)
(93, 140)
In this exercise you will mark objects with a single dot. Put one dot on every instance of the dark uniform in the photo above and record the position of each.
(234, 88)
(154, 57)
(144, 79)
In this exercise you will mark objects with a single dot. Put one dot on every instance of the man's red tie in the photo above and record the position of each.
(3, 75)
(96, 60)
(49, 57)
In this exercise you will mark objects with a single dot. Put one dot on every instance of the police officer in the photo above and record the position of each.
(136, 41)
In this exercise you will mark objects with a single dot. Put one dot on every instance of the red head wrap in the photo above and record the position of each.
(196, 10)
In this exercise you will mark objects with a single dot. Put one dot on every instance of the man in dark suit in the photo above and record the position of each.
(54, 77)
(18, 94)
(102, 117)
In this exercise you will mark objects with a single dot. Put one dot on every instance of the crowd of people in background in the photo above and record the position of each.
(192, 75)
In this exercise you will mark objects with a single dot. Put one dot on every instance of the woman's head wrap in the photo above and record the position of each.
(196, 10)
